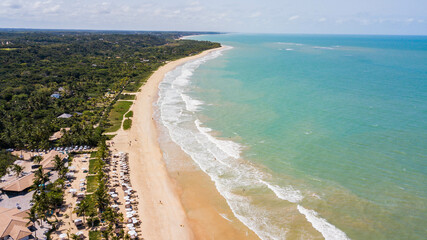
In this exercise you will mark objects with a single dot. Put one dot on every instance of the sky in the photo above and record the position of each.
(402, 17)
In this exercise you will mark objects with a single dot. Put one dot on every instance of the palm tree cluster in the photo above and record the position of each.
(96, 207)
(47, 197)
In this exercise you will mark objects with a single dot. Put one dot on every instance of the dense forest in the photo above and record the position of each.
(46, 74)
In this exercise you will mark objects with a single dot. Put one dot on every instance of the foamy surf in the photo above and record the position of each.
(285, 193)
(228, 147)
(328, 231)
(219, 158)
(223, 215)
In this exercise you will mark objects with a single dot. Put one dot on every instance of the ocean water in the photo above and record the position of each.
(309, 136)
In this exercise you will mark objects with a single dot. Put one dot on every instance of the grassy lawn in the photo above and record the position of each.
(127, 124)
(116, 115)
(92, 183)
(94, 235)
(109, 137)
(8, 49)
(92, 154)
(127, 97)
(129, 114)
(94, 166)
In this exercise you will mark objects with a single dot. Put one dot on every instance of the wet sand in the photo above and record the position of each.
(184, 207)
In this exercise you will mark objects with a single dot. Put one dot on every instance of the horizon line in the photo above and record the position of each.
(2, 29)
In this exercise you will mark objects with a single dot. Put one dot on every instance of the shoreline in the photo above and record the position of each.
(164, 206)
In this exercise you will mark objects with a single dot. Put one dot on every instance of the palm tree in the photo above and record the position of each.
(32, 218)
(17, 169)
(58, 163)
(101, 196)
(37, 159)
(83, 208)
(40, 177)
(75, 236)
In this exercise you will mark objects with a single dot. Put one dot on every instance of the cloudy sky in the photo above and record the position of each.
(255, 16)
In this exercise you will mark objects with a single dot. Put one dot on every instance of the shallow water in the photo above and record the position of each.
(309, 136)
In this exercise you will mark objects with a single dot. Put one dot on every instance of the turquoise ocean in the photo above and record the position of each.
(309, 136)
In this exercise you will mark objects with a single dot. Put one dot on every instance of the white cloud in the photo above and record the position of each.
(255, 14)
(194, 9)
(51, 9)
(293, 18)
(339, 21)
(321, 19)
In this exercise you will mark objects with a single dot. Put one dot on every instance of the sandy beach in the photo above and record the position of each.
(161, 210)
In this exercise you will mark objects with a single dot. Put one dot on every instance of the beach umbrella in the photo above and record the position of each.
(72, 190)
(79, 233)
(63, 236)
(78, 222)
(129, 225)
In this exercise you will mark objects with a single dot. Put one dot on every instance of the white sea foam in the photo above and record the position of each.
(219, 158)
(289, 49)
(329, 231)
(285, 193)
(327, 48)
(223, 215)
(191, 104)
(228, 147)
(290, 43)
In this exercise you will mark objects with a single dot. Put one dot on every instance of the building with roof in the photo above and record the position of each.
(13, 224)
(19, 185)
(65, 115)
(56, 95)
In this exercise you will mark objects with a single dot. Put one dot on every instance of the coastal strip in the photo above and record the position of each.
(160, 208)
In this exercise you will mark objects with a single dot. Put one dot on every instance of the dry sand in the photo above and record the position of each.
(161, 210)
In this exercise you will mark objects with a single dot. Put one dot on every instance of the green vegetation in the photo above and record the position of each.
(109, 136)
(95, 208)
(127, 123)
(94, 235)
(78, 73)
(129, 114)
(46, 74)
(6, 159)
(127, 97)
(92, 154)
(17, 169)
(47, 197)
(92, 183)
(116, 115)
(94, 166)
(8, 49)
